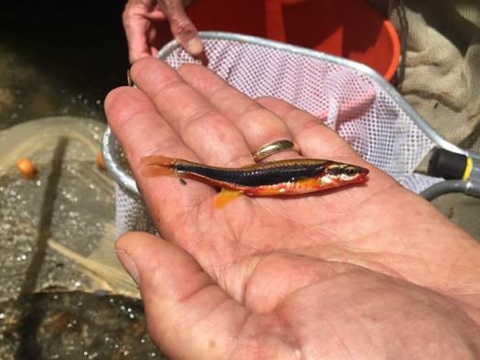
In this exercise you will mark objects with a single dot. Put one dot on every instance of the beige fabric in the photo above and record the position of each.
(442, 81)
(442, 76)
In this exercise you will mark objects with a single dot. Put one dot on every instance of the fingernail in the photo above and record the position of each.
(129, 265)
(194, 46)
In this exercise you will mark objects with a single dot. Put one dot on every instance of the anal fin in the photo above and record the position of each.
(224, 197)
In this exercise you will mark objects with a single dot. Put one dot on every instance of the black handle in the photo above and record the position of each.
(447, 164)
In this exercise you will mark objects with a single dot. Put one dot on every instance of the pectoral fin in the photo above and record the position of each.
(225, 196)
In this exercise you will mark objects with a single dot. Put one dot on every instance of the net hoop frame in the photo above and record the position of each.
(127, 182)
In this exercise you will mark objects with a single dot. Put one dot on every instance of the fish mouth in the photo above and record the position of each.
(361, 175)
(364, 172)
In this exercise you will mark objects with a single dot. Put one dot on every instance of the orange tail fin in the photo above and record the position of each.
(157, 165)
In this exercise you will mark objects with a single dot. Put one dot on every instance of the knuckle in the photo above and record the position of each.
(181, 26)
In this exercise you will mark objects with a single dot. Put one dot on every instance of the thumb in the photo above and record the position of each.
(188, 315)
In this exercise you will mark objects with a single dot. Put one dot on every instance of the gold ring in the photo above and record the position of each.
(273, 148)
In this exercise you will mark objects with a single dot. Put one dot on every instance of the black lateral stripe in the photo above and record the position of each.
(262, 174)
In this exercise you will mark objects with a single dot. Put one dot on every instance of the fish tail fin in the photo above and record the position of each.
(157, 165)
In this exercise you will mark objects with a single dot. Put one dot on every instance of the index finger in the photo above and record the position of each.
(207, 132)
(141, 131)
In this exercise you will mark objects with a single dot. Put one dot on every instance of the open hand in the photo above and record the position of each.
(365, 272)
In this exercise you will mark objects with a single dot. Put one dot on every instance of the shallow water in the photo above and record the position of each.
(73, 325)
(57, 232)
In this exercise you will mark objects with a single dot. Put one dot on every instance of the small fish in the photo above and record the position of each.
(285, 177)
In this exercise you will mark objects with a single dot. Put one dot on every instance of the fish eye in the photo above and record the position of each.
(350, 171)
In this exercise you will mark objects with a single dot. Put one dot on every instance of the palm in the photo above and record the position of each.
(285, 276)
(284, 261)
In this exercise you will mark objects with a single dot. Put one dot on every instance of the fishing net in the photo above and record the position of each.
(348, 97)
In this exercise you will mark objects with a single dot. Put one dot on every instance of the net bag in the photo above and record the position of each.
(347, 96)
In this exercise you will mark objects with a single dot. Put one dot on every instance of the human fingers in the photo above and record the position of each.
(138, 47)
(183, 30)
(319, 141)
(188, 315)
(258, 125)
(206, 131)
(139, 18)
(316, 139)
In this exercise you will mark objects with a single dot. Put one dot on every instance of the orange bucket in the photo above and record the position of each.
(351, 29)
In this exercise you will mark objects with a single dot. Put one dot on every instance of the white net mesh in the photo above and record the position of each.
(346, 99)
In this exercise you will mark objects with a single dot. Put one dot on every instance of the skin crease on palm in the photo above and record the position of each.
(365, 272)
